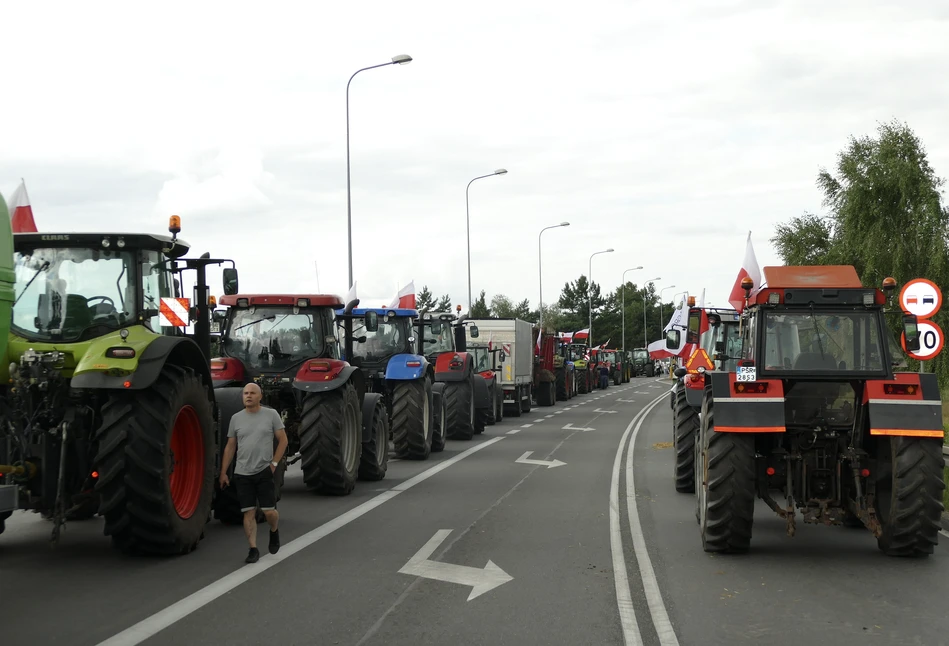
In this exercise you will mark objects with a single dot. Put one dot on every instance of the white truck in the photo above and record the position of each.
(517, 369)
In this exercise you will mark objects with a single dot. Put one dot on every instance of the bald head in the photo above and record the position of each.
(252, 396)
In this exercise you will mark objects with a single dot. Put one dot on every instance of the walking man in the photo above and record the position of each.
(251, 437)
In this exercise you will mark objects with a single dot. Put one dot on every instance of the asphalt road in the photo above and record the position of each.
(474, 547)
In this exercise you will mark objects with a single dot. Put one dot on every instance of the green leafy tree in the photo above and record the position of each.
(444, 304)
(480, 309)
(424, 301)
(501, 307)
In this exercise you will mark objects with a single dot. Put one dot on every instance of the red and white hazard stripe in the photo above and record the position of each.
(173, 312)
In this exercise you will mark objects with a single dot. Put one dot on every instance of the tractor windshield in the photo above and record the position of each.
(641, 356)
(576, 352)
(273, 339)
(732, 346)
(391, 337)
(822, 342)
(67, 294)
(438, 337)
(482, 359)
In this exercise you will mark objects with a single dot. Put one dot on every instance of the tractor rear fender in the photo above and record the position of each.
(453, 366)
(694, 388)
(406, 367)
(226, 371)
(368, 406)
(481, 392)
(176, 350)
(746, 407)
(324, 375)
(438, 391)
(910, 405)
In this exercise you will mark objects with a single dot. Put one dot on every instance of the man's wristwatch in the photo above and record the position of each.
(274, 464)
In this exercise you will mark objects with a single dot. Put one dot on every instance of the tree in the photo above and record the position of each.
(575, 301)
(885, 217)
(479, 309)
(424, 301)
(444, 303)
(501, 307)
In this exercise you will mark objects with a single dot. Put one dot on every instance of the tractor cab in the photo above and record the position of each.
(379, 335)
(441, 332)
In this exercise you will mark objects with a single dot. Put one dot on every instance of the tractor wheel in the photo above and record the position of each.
(439, 421)
(650, 370)
(498, 404)
(515, 408)
(331, 440)
(227, 508)
(492, 412)
(459, 398)
(374, 461)
(546, 393)
(909, 490)
(562, 385)
(685, 423)
(412, 419)
(156, 464)
(481, 420)
(726, 495)
(525, 403)
(3, 520)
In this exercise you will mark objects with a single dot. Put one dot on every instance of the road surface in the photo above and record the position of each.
(532, 533)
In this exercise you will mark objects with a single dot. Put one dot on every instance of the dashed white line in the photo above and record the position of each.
(514, 432)
(526, 425)
(151, 626)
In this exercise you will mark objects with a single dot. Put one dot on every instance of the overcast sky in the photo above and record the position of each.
(663, 130)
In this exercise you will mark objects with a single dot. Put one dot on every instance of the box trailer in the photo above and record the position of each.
(517, 367)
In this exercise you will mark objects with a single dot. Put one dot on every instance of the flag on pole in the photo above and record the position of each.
(749, 269)
(405, 298)
(581, 335)
(21, 213)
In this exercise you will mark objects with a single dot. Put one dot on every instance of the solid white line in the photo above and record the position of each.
(624, 599)
(151, 626)
(660, 617)
(514, 432)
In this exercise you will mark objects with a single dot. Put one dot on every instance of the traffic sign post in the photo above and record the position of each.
(931, 340)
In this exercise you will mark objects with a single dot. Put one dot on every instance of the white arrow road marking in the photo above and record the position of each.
(571, 427)
(543, 463)
(600, 410)
(480, 580)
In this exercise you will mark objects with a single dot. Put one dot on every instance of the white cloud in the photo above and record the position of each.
(666, 131)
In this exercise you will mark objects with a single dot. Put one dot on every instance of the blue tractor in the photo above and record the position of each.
(381, 343)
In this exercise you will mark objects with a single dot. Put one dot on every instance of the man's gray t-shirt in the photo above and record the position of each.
(255, 436)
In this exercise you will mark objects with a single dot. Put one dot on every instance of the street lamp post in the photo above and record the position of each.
(660, 301)
(590, 297)
(401, 59)
(623, 308)
(500, 171)
(540, 282)
(651, 280)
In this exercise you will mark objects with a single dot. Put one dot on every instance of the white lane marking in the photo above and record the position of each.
(944, 533)
(547, 416)
(657, 608)
(526, 425)
(557, 412)
(177, 611)
(550, 464)
(480, 580)
(624, 599)
(514, 432)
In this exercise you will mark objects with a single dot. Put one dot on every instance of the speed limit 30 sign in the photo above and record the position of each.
(931, 340)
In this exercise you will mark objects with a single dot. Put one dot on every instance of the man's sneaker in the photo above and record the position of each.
(274, 541)
(252, 556)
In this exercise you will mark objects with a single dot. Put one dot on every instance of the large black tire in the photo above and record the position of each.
(492, 410)
(374, 461)
(562, 385)
(481, 420)
(727, 491)
(650, 370)
(227, 508)
(525, 403)
(3, 520)
(685, 421)
(412, 419)
(331, 440)
(583, 386)
(546, 393)
(498, 403)
(459, 398)
(909, 494)
(439, 419)
(136, 464)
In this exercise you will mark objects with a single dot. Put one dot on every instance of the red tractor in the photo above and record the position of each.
(815, 413)
(489, 399)
(545, 378)
(287, 344)
(442, 340)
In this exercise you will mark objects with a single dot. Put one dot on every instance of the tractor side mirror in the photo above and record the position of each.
(695, 324)
(673, 338)
(372, 321)
(503, 356)
(911, 332)
(680, 372)
(474, 332)
(461, 341)
(218, 316)
(229, 275)
(719, 346)
(714, 320)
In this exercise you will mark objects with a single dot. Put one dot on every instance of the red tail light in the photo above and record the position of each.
(899, 389)
(319, 366)
(865, 473)
(217, 366)
(759, 387)
(456, 362)
(770, 471)
(413, 364)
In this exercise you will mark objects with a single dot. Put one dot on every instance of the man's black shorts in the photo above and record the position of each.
(254, 490)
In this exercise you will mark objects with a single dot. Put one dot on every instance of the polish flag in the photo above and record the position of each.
(405, 298)
(581, 335)
(21, 213)
(749, 269)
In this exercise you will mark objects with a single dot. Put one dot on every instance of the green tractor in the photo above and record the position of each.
(107, 403)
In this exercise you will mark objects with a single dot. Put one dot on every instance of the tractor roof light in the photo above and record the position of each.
(243, 302)
(747, 284)
(869, 298)
(889, 284)
(212, 302)
(303, 302)
(691, 301)
(174, 225)
(774, 298)
(106, 243)
(120, 243)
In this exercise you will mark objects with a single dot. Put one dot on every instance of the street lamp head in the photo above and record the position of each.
(401, 59)
(609, 251)
(565, 224)
(501, 171)
(635, 268)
